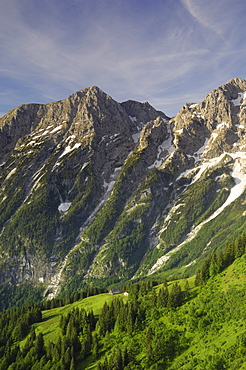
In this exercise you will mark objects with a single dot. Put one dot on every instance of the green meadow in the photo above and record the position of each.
(175, 325)
(49, 326)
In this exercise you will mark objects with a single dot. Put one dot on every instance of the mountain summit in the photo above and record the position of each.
(94, 189)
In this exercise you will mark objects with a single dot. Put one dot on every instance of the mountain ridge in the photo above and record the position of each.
(93, 189)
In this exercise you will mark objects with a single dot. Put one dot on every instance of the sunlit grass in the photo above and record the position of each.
(49, 327)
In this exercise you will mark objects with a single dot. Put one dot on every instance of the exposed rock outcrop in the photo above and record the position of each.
(93, 188)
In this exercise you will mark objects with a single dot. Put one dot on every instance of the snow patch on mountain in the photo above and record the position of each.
(162, 260)
(239, 175)
(58, 128)
(133, 119)
(136, 137)
(108, 185)
(69, 149)
(64, 207)
(197, 114)
(11, 173)
(239, 99)
(166, 146)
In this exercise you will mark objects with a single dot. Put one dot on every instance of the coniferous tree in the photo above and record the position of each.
(95, 345)
(72, 364)
(129, 322)
(67, 358)
(162, 299)
(220, 260)
(148, 344)
(175, 298)
(239, 245)
(213, 265)
(39, 346)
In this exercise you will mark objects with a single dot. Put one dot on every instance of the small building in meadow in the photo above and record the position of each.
(114, 291)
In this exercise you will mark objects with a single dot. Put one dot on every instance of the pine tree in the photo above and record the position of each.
(39, 346)
(220, 260)
(72, 364)
(148, 344)
(129, 322)
(213, 265)
(239, 246)
(66, 359)
(176, 296)
(162, 299)
(116, 359)
(95, 345)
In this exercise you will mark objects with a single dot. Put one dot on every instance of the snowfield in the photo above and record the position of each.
(64, 207)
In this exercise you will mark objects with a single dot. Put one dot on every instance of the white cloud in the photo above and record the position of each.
(220, 20)
(203, 13)
(130, 50)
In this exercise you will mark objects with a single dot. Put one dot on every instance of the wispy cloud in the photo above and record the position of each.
(204, 14)
(131, 49)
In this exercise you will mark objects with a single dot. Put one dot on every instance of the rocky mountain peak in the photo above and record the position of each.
(217, 121)
(142, 112)
(90, 187)
(233, 84)
(154, 133)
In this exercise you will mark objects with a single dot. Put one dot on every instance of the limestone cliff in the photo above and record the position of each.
(96, 189)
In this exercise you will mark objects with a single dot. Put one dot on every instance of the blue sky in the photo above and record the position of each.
(167, 52)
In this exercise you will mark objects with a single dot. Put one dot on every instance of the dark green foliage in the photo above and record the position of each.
(227, 226)
(13, 198)
(118, 360)
(163, 298)
(14, 326)
(88, 291)
(76, 339)
(204, 314)
(109, 213)
(196, 204)
(112, 216)
(175, 298)
(125, 246)
(39, 346)
(36, 221)
(221, 259)
(20, 295)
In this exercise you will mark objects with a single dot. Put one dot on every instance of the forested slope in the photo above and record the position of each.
(168, 325)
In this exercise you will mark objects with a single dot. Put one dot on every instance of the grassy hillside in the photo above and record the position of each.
(49, 326)
(215, 322)
(174, 325)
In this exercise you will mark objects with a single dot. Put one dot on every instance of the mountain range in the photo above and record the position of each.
(96, 190)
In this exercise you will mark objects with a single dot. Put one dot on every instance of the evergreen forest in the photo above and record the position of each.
(193, 323)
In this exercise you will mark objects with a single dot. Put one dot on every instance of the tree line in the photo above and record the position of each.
(219, 260)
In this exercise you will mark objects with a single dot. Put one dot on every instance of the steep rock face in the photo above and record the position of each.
(210, 190)
(122, 248)
(59, 164)
(193, 180)
(95, 189)
(16, 124)
(219, 118)
(142, 112)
